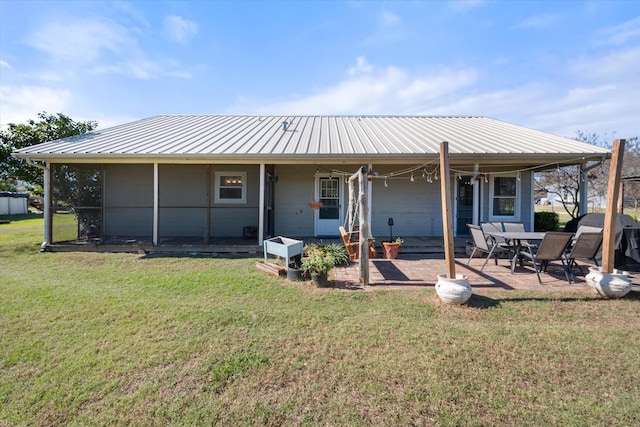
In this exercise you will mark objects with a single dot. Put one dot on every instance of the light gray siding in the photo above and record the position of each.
(228, 220)
(414, 206)
(293, 192)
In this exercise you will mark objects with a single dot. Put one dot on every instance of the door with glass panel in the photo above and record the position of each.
(329, 217)
(464, 205)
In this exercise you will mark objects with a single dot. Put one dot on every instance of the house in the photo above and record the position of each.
(201, 179)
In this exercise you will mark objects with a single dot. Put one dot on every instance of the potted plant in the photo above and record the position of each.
(390, 249)
(318, 265)
(293, 269)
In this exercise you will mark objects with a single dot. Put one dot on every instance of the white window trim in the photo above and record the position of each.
(217, 198)
(516, 211)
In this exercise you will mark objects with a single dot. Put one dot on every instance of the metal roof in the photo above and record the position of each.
(310, 139)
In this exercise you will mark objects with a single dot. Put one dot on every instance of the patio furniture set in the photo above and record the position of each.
(497, 239)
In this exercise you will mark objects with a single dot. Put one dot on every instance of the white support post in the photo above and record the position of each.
(48, 229)
(369, 196)
(261, 205)
(156, 201)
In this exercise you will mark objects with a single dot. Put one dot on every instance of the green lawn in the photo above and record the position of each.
(118, 339)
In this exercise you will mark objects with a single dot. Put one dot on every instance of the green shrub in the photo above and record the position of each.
(322, 258)
(338, 252)
(546, 221)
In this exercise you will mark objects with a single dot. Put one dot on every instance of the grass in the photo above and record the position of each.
(118, 339)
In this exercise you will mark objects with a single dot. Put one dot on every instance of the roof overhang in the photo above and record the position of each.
(487, 161)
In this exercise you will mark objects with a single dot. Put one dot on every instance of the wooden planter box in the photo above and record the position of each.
(269, 268)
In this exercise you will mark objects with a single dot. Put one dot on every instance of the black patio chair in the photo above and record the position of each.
(552, 248)
(586, 246)
(483, 244)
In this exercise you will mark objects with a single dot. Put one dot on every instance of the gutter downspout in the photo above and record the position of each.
(583, 206)
(47, 202)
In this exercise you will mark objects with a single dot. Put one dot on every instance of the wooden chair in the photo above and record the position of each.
(352, 244)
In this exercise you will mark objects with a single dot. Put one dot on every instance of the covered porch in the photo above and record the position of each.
(416, 245)
(419, 271)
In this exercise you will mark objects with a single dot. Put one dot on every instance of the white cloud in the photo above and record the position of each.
(601, 96)
(98, 46)
(622, 33)
(81, 41)
(390, 91)
(389, 19)
(21, 103)
(610, 66)
(361, 67)
(389, 30)
(178, 29)
(4, 64)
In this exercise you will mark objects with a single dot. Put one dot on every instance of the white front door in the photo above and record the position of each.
(329, 217)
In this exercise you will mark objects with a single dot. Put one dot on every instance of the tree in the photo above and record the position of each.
(631, 168)
(564, 182)
(49, 127)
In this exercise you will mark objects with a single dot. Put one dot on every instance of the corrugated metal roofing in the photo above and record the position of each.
(310, 137)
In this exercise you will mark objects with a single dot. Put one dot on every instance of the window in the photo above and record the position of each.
(504, 196)
(231, 187)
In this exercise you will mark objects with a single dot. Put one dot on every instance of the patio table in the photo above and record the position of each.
(515, 238)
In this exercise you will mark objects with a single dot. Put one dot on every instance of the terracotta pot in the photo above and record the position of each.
(609, 285)
(390, 249)
(453, 291)
(315, 205)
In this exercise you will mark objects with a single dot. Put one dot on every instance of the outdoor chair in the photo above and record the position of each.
(518, 227)
(488, 227)
(484, 245)
(586, 229)
(586, 246)
(552, 248)
(351, 243)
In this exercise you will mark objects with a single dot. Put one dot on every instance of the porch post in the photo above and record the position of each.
(261, 205)
(48, 231)
(156, 196)
(609, 232)
(583, 203)
(369, 198)
(363, 214)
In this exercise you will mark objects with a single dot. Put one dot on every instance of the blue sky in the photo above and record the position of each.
(551, 65)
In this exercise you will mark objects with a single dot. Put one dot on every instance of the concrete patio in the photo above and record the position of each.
(419, 271)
